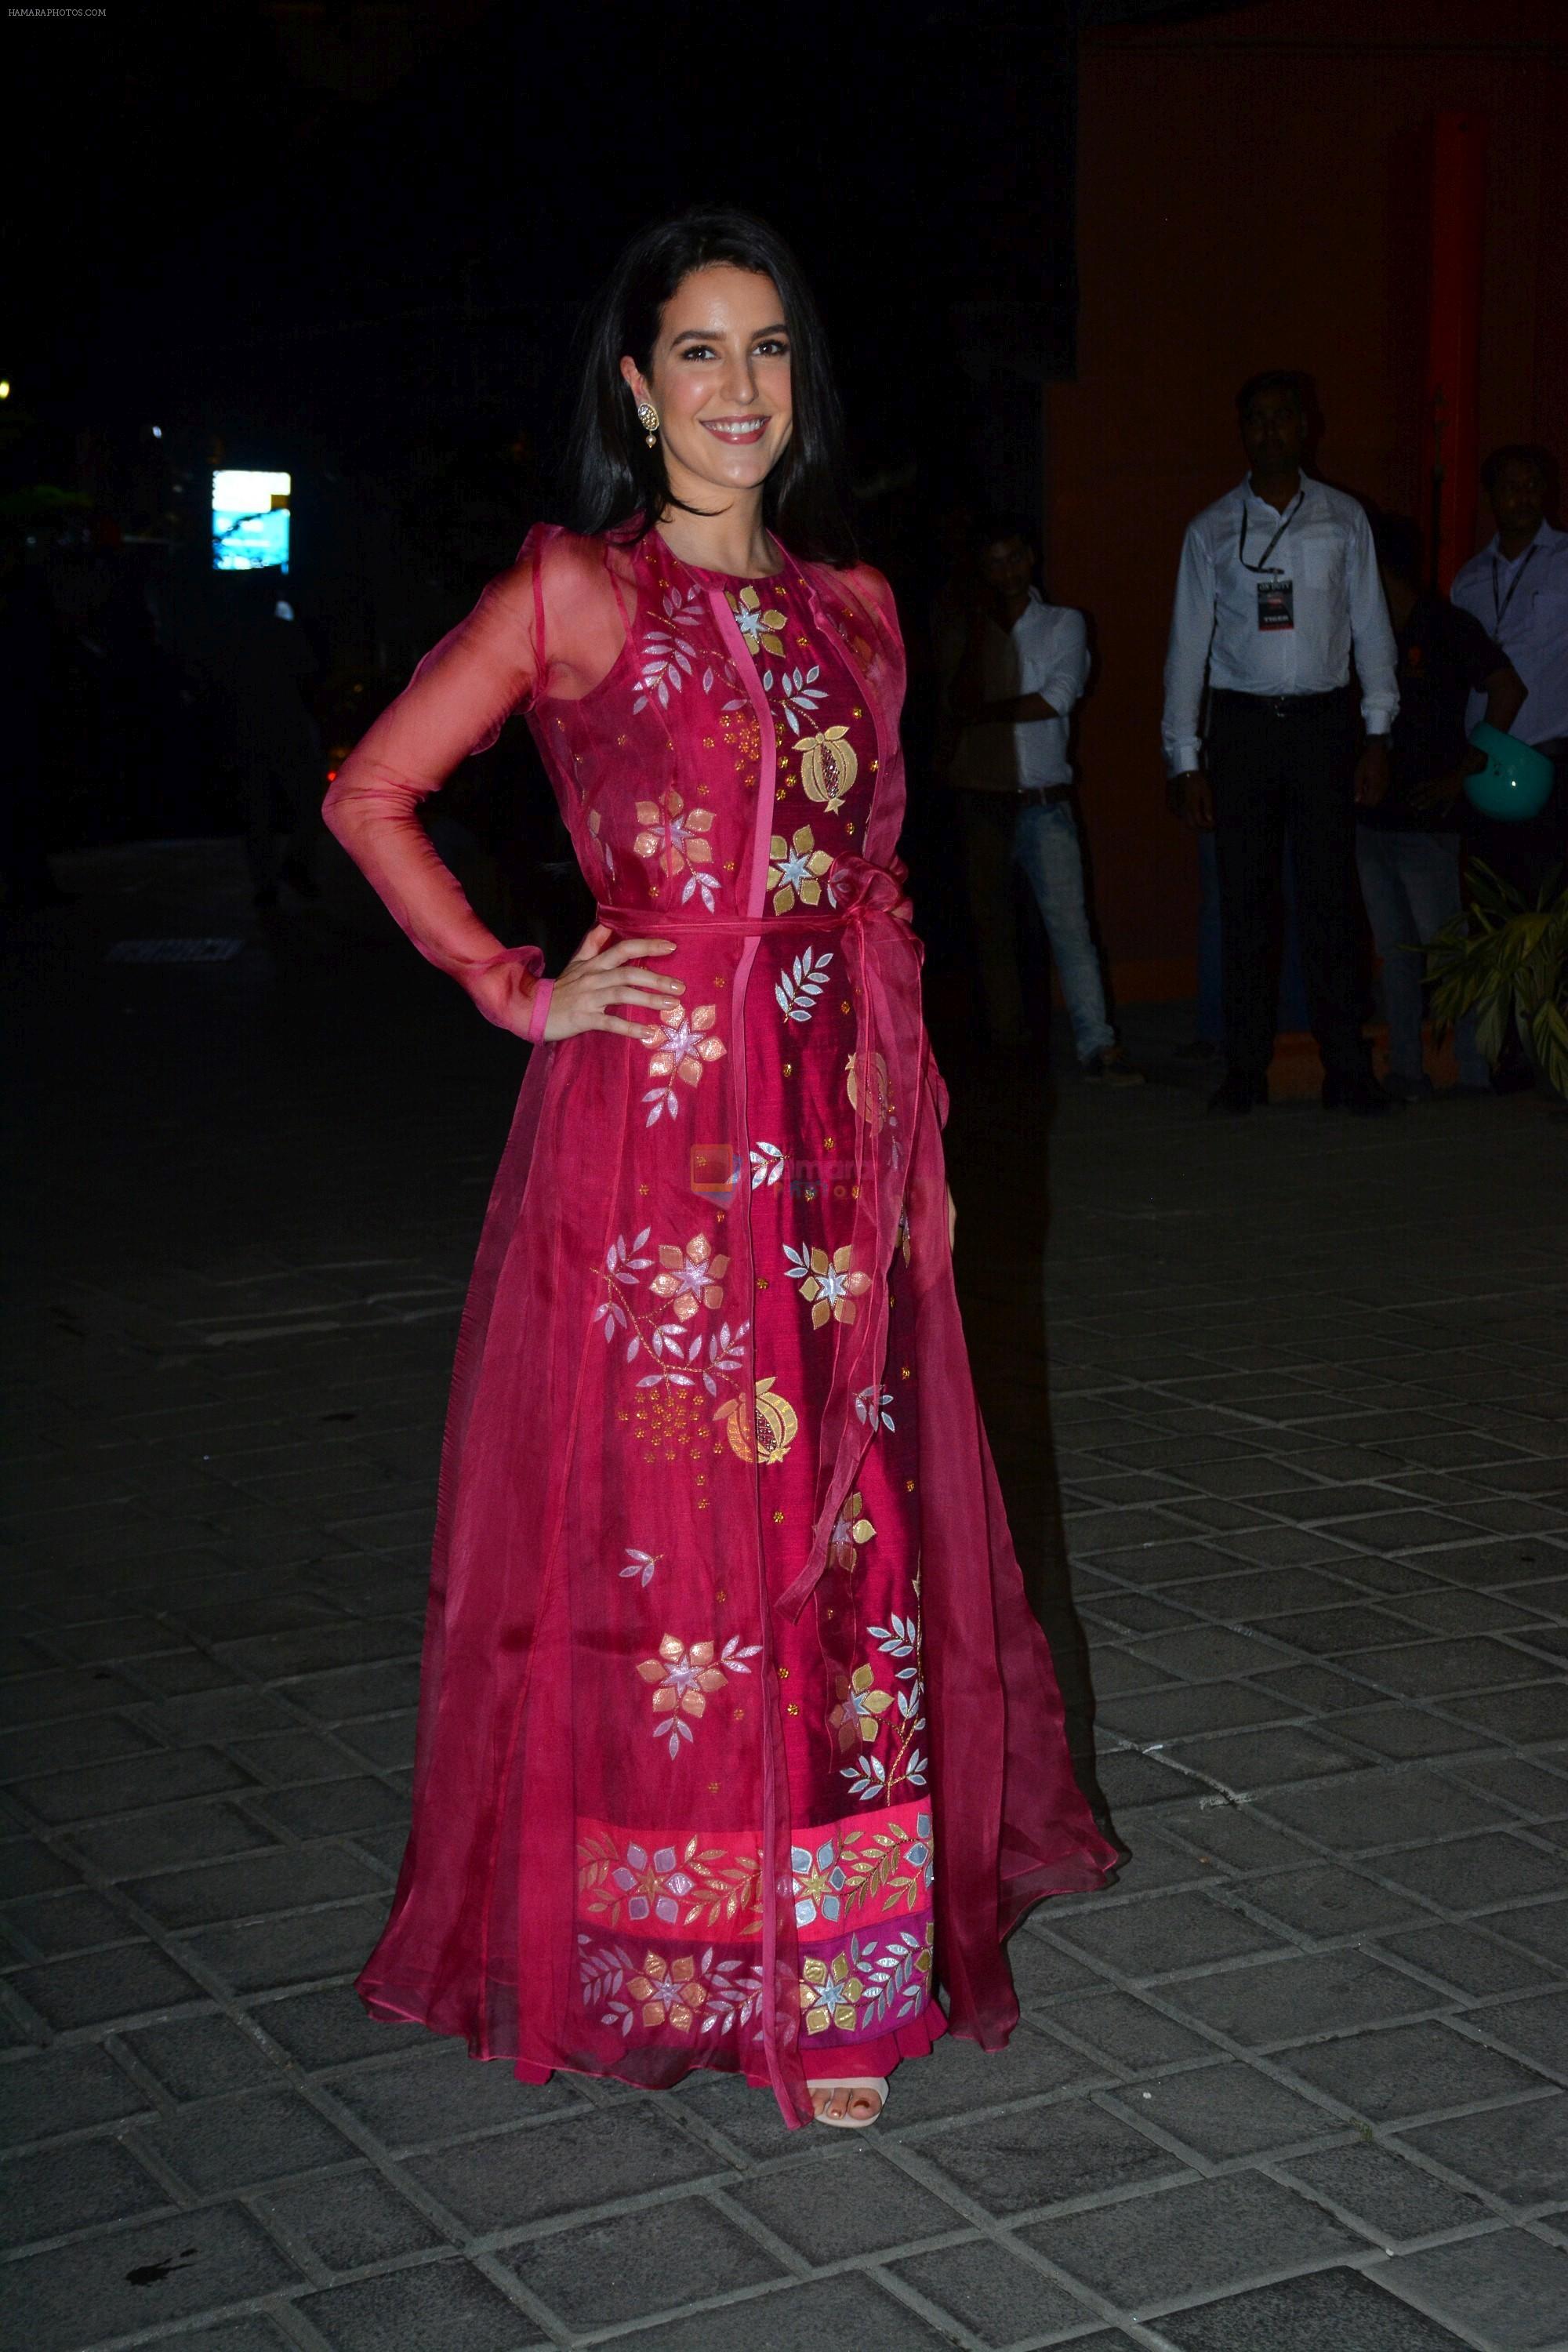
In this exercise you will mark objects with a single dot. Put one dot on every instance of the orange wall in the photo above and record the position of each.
(1253, 192)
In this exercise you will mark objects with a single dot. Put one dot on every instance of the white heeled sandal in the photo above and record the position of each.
(877, 2082)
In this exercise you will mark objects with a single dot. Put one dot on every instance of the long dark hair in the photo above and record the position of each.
(616, 482)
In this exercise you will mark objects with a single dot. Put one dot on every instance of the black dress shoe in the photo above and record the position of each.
(1241, 1089)
(1360, 1094)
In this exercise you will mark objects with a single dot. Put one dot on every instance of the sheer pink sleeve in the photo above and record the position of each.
(455, 704)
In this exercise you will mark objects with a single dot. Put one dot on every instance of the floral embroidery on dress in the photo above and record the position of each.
(877, 1865)
(692, 1276)
(832, 1285)
(675, 837)
(860, 1705)
(660, 1993)
(874, 1778)
(867, 1982)
(605, 852)
(850, 1530)
(768, 1164)
(686, 1678)
(682, 1884)
(664, 658)
(685, 1047)
(758, 624)
(798, 694)
(871, 1404)
(828, 766)
(799, 989)
(640, 1565)
(797, 870)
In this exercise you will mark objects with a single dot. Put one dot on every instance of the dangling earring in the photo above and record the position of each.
(648, 417)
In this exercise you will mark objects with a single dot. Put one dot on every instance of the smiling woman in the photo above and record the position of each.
(738, 1742)
(708, 324)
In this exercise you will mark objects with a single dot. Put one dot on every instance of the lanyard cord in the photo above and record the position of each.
(1499, 611)
(1290, 517)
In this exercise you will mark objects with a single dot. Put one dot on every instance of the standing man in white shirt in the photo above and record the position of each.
(1011, 682)
(1277, 588)
(1516, 587)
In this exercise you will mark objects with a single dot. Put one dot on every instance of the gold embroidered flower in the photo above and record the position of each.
(685, 1045)
(832, 1284)
(670, 1992)
(672, 834)
(829, 1995)
(684, 1677)
(758, 624)
(849, 1531)
(692, 1276)
(798, 868)
(859, 1708)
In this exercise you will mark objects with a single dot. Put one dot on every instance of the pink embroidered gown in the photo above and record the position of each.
(737, 1738)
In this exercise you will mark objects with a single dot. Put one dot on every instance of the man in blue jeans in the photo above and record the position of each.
(1013, 678)
(1407, 847)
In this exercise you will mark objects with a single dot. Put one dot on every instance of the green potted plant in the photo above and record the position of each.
(1502, 956)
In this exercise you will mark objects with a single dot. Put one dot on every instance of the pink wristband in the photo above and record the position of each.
(539, 1011)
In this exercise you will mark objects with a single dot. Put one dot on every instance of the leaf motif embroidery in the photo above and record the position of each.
(799, 989)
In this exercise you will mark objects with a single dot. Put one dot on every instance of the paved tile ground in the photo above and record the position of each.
(1295, 2083)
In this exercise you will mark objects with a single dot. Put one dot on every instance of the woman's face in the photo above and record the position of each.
(719, 378)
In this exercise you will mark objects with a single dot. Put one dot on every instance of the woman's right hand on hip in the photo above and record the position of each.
(609, 970)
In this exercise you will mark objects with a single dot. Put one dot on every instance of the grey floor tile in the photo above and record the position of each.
(1476, 1873)
(148, 2276)
(127, 1847)
(101, 1987)
(1326, 2311)
(635, 2266)
(960, 2076)
(203, 2057)
(331, 2027)
(1518, 2153)
(1228, 2110)
(999, 2297)
(59, 2091)
(1388, 1807)
(280, 1879)
(1384, 2193)
(1045, 2156)
(1476, 1960)
(1541, 1928)
(350, 2220)
(1167, 1933)
(1245, 1762)
(237, 2143)
(1409, 2070)
(847, 2309)
(434, 2307)
(1537, 2029)
(850, 2203)
(1125, 2032)
(1201, 2236)
(1292, 1999)
(1509, 2288)
(438, 2092)
(76, 2187)
(294, 1949)
(557, 2167)
(1327, 1901)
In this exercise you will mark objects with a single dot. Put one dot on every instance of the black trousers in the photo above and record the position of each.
(1277, 770)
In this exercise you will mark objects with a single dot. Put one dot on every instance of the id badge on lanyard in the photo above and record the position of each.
(1276, 590)
(1276, 604)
